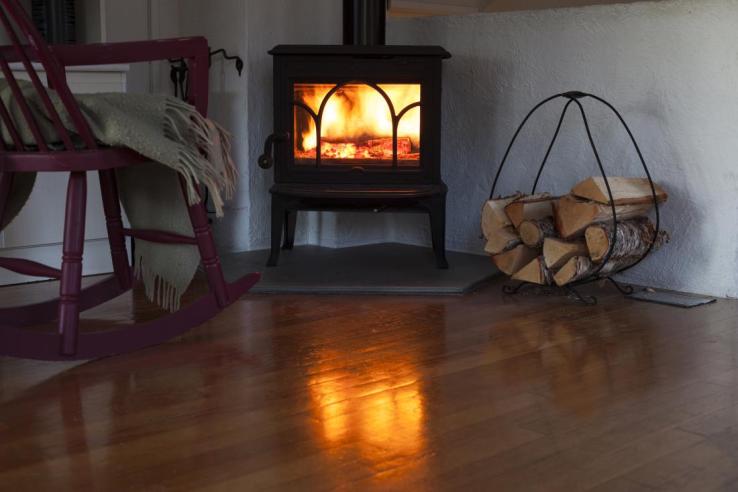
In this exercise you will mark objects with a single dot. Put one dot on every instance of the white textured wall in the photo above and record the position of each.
(225, 23)
(244, 106)
(271, 23)
(671, 67)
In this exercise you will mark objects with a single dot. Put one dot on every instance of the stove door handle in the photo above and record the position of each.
(266, 160)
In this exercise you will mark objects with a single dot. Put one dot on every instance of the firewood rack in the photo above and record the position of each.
(575, 98)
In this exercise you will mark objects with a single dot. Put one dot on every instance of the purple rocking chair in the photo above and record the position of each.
(70, 342)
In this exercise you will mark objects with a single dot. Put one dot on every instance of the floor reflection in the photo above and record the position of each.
(574, 358)
(368, 404)
(389, 420)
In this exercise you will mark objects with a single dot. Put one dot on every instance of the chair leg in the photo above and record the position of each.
(6, 184)
(71, 271)
(208, 252)
(114, 222)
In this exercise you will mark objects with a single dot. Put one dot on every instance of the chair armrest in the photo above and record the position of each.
(195, 50)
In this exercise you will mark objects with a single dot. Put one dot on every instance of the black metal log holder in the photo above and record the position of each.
(575, 97)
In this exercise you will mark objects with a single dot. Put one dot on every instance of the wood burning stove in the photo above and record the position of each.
(356, 127)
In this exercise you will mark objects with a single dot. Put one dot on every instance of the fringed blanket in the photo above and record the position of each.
(178, 140)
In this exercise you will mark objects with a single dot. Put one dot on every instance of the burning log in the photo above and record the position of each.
(503, 240)
(376, 148)
(573, 215)
(529, 207)
(511, 261)
(625, 191)
(534, 231)
(534, 272)
(632, 239)
(557, 252)
(382, 147)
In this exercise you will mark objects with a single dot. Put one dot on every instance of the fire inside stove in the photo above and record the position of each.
(356, 124)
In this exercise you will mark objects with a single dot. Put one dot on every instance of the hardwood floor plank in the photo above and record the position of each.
(481, 392)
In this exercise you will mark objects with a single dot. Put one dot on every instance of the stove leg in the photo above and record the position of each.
(437, 212)
(278, 220)
(290, 222)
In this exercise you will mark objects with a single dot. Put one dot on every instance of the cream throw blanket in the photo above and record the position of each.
(177, 139)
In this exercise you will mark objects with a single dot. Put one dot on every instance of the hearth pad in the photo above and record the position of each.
(387, 268)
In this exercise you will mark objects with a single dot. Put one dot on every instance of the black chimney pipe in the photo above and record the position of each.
(364, 22)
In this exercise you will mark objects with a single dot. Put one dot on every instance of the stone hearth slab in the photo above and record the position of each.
(386, 268)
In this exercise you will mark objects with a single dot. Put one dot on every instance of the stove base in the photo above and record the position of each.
(289, 199)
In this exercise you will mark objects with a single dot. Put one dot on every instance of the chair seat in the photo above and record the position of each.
(66, 161)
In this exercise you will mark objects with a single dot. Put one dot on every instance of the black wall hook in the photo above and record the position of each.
(178, 70)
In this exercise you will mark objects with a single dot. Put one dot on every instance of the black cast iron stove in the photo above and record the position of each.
(356, 127)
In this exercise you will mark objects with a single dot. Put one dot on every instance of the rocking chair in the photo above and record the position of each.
(70, 343)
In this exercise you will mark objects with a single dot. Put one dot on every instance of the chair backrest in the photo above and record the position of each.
(27, 46)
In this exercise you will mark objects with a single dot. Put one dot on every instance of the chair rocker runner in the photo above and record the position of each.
(69, 342)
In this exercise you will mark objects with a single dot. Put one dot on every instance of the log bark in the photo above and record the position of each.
(573, 215)
(534, 272)
(557, 252)
(580, 267)
(503, 240)
(529, 207)
(494, 217)
(534, 231)
(625, 191)
(633, 238)
(511, 261)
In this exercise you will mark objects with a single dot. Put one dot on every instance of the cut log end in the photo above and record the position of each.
(511, 261)
(534, 272)
(529, 207)
(534, 231)
(503, 240)
(577, 268)
(494, 217)
(557, 252)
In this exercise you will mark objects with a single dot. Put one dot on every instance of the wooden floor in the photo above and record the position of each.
(388, 393)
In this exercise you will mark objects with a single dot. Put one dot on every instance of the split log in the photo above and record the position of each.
(573, 215)
(494, 217)
(529, 207)
(577, 268)
(534, 231)
(557, 252)
(633, 238)
(511, 261)
(534, 272)
(580, 267)
(503, 240)
(625, 191)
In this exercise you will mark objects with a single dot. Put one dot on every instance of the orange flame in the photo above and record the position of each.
(357, 123)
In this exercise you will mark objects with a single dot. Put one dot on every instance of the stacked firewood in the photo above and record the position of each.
(547, 240)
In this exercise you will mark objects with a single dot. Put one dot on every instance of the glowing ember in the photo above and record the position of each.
(380, 148)
(357, 123)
